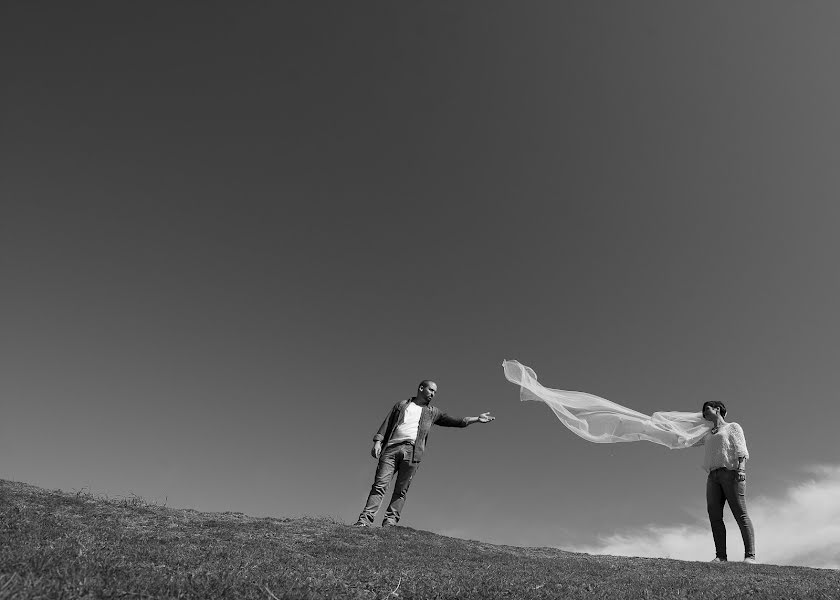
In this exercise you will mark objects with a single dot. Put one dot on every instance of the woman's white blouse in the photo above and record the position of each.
(724, 447)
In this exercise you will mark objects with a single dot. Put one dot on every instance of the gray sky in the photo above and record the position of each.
(233, 236)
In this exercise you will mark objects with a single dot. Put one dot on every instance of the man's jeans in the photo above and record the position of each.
(394, 459)
(723, 486)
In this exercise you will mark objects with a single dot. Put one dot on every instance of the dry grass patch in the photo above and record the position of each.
(63, 545)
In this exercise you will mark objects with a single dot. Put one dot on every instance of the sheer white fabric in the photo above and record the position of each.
(599, 420)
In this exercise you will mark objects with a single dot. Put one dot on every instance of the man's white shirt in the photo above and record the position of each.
(407, 430)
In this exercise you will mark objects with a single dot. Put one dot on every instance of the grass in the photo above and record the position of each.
(73, 545)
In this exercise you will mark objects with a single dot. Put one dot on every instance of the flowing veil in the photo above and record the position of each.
(599, 420)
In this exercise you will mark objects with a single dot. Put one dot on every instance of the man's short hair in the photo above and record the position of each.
(715, 404)
(425, 383)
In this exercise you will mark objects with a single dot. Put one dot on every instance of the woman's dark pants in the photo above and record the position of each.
(723, 486)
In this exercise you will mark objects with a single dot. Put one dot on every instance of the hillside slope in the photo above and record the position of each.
(60, 545)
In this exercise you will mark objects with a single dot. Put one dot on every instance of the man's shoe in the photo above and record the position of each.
(388, 524)
(750, 560)
(361, 524)
(716, 559)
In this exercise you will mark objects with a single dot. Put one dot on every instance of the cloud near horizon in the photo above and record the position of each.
(801, 527)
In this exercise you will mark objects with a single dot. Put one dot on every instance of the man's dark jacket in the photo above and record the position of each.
(428, 416)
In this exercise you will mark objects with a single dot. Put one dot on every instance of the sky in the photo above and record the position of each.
(233, 236)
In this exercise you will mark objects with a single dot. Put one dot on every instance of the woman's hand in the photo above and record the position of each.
(742, 476)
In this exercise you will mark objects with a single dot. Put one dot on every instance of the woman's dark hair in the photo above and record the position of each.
(715, 404)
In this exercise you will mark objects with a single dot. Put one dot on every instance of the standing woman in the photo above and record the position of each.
(726, 459)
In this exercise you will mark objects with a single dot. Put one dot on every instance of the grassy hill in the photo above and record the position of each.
(60, 545)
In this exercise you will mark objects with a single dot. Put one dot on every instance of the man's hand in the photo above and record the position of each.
(486, 417)
(377, 449)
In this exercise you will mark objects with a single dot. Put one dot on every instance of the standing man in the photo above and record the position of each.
(403, 436)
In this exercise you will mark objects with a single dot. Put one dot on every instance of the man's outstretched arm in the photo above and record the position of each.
(482, 418)
(445, 420)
